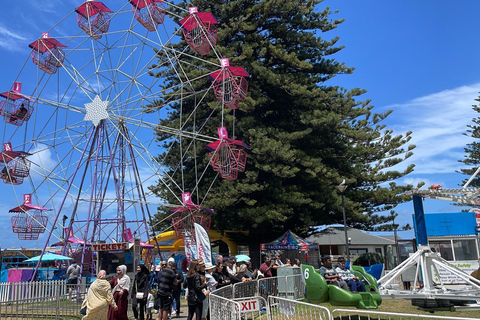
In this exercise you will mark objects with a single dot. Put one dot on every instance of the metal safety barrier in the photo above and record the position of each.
(245, 289)
(283, 308)
(345, 314)
(223, 308)
(295, 287)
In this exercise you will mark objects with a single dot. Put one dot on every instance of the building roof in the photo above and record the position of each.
(336, 236)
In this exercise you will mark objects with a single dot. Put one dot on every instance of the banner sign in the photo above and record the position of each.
(203, 244)
(190, 247)
(467, 266)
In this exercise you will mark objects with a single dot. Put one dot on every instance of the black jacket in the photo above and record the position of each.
(141, 284)
(195, 287)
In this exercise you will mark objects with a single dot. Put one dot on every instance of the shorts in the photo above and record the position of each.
(165, 301)
(72, 281)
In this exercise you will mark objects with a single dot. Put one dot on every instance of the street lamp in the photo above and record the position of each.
(342, 187)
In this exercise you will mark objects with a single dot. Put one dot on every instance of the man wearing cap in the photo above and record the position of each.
(165, 290)
(177, 288)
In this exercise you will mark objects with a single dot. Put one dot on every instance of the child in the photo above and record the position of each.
(150, 301)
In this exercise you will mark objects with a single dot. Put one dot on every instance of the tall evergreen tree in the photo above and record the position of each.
(306, 136)
(472, 151)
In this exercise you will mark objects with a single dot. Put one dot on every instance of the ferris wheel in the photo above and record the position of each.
(81, 118)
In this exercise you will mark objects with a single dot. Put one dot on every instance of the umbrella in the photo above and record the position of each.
(242, 257)
(48, 257)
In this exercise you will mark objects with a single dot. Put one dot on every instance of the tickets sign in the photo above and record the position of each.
(111, 246)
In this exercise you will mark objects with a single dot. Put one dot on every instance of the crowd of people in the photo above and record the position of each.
(159, 290)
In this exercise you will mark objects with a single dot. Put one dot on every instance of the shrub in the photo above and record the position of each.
(367, 259)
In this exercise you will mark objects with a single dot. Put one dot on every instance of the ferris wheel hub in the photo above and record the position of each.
(96, 110)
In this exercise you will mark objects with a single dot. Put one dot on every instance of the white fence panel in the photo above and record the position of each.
(286, 309)
(19, 291)
(345, 314)
(223, 308)
(245, 289)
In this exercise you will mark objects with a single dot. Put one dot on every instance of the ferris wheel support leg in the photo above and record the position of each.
(56, 219)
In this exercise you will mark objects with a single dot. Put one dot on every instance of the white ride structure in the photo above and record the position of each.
(428, 288)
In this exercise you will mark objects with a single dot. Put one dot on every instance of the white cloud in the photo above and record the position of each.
(438, 122)
(11, 41)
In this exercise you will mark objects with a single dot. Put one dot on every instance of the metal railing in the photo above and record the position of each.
(345, 314)
(286, 309)
(223, 308)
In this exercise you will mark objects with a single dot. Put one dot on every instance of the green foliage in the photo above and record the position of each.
(472, 150)
(306, 136)
(387, 223)
(367, 259)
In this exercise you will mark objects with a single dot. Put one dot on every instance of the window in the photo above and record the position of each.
(456, 250)
(357, 251)
(378, 250)
(443, 247)
(465, 250)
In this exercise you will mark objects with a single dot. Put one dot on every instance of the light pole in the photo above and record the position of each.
(342, 187)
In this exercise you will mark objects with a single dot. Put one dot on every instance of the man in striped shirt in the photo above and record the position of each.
(165, 290)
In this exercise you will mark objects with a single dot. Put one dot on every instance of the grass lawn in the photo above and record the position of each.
(405, 307)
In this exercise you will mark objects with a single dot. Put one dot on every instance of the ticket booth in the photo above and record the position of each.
(112, 255)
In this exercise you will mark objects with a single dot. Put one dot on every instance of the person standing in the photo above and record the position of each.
(99, 297)
(120, 286)
(165, 290)
(220, 277)
(140, 285)
(73, 273)
(211, 286)
(297, 263)
(266, 267)
(177, 288)
(196, 291)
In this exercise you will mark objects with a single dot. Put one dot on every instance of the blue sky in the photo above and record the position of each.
(418, 58)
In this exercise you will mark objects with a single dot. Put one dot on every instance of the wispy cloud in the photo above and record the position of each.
(11, 41)
(438, 122)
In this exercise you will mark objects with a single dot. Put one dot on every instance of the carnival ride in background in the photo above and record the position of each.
(83, 139)
(317, 290)
(429, 290)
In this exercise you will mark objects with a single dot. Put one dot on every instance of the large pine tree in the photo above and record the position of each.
(472, 150)
(305, 136)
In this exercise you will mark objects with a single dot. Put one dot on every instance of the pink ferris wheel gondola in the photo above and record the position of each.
(150, 13)
(93, 18)
(200, 31)
(28, 226)
(14, 166)
(15, 108)
(227, 156)
(189, 214)
(47, 53)
(230, 85)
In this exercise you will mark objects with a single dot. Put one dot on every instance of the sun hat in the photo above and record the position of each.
(209, 266)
